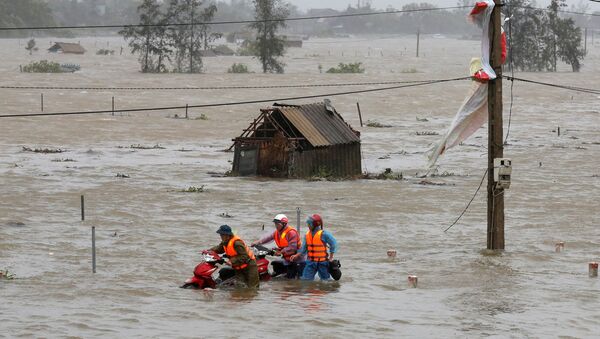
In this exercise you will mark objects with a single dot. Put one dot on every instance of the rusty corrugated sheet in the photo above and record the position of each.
(319, 126)
(67, 47)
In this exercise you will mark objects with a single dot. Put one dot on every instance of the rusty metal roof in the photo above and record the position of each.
(320, 126)
(67, 47)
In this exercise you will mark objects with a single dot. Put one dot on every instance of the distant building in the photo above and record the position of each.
(66, 48)
(298, 141)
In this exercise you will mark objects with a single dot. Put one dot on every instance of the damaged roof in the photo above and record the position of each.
(319, 123)
(67, 47)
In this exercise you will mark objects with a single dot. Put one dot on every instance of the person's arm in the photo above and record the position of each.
(292, 247)
(219, 249)
(301, 252)
(330, 240)
(266, 239)
(242, 256)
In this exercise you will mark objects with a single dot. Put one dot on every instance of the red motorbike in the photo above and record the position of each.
(212, 271)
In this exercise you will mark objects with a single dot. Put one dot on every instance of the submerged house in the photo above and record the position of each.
(298, 141)
(67, 48)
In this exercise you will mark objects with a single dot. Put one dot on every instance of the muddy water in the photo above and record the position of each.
(149, 233)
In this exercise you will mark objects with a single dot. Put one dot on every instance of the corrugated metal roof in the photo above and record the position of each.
(318, 125)
(67, 47)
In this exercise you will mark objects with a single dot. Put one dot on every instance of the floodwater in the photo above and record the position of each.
(149, 233)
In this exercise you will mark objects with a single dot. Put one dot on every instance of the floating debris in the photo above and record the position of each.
(43, 150)
(63, 160)
(427, 133)
(431, 183)
(193, 189)
(15, 224)
(422, 119)
(387, 156)
(184, 150)
(376, 124)
(387, 174)
(225, 215)
(201, 117)
(140, 146)
(122, 175)
(5, 274)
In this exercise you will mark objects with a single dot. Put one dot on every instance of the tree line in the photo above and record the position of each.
(179, 47)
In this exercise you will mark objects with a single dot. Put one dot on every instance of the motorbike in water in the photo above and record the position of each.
(212, 272)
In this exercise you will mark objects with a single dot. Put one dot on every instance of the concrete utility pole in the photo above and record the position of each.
(495, 203)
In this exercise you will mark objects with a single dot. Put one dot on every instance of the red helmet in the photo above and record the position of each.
(318, 221)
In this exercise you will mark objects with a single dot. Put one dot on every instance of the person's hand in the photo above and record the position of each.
(330, 256)
(293, 257)
(254, 244)
(205, 252)
(277, 252)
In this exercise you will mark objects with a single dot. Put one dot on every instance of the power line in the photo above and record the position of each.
(233, 22)
(233, 103)
(567, 87)
(212, 87)
(559, 11)
(469, 204)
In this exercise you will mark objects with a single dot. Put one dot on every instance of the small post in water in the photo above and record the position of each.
(359, 114)
(558, 130)
(82, 208)
(418, 41)
(113, 106)
(593, 269)
(186, 111)
(413, 281)
(94, 249)
(298, 218)
(42, 101)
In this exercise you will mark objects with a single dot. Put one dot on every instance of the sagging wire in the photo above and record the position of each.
(237, 103)
(469, 204)
(211, 87)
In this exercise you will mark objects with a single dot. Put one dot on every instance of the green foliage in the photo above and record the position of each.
(269, 15)
(105, 52)
(387, 174)
(541, 37)
(238, 68)
(347, 68)
(43, 66)
(5, 274)
(19, 13)
(194, 189)
(31, 46)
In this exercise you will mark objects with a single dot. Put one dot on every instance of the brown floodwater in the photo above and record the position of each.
(149, 233)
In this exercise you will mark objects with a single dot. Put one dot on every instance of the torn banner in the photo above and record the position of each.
(474, 111)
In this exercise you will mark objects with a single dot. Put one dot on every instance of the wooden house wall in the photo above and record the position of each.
(340, 160)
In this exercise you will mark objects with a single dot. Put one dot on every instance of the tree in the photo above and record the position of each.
(189, 39)
(270, 16)
(538, 38)
(149, 40)
(31, 46)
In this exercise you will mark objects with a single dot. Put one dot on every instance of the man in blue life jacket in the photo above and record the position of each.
(319, 246)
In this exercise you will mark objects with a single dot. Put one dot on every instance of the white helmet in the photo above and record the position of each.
(281, 218)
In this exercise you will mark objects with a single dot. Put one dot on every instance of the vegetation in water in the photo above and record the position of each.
(347, 68)
(43, 150)
(194, 189)
(238, 68)
(43, 66)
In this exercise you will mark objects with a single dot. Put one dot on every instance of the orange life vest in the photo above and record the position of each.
(317, 250)
(282, 242)
(231, 253)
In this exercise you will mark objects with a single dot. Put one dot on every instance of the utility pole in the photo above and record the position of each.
(495, 203)
(418, 40)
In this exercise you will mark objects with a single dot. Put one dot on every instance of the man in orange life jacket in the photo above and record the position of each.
(288, 243)
(240, 256)
(320, 246)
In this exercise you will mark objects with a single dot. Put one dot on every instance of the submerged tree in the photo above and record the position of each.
(31, 46)
(193, 33)
(149, 39)
(539, 38)
(270, 16)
